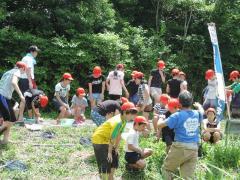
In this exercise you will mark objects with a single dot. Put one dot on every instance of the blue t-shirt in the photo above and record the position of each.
(186, 125)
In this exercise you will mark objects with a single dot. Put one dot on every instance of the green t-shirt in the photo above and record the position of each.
(235, 87)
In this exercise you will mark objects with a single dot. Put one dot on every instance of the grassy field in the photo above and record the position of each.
(63, 157)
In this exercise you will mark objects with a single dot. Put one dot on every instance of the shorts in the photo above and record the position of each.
(134, 99)
(132, 157)
(101, 154)
(209, 103)
(23, 85)
(57, 104)
(155, 92)
(6, 110)
(168, 135)
(97, 118)
(97, 96)
(114, 97)
(29, 103)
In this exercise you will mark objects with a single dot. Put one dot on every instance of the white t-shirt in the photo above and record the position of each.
(6, 86)
(212, 89)
(132, 138)
(115, 82)
(128, 127)
(30, 61)
(62, 90)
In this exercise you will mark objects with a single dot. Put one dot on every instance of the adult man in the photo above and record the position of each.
(184, 151)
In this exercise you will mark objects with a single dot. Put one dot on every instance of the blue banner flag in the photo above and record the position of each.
(219, 72)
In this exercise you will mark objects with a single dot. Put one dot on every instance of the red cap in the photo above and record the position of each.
(97, 71)
(133, 73)
(43, 101)
(124, 100)
(209, 74)
(21, 64)
(161, 64)
(128, 106)
(67, 76)
(138, 75)
(164, 98)
(210, 110)
(120, 66)
(175, 72)
(81, 92)
(182, 73)
(234, 75)
(140, 119)
(173, 104)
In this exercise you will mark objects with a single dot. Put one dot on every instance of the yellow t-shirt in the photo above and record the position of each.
(110, 129)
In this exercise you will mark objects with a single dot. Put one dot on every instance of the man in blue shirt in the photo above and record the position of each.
(184, 151)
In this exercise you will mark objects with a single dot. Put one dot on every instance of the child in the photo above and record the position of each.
(34, 99)
(211, 128)
(9, 83)
(184, 84)
(167, 133)
(156, 80)
(134, 154)
(106, 139)
(79, 104)
(159, 110)
(105, 110)
(132, 88)
(235, 87)
(145, 102)
(183, 152)
(96, 86)
(115, 83)
(211, 94)
(173, 85)
(60, 99)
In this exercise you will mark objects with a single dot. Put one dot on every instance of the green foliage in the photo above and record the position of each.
(77, 35)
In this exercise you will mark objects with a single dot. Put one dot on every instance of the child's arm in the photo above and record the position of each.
(90, 90)
(59, 99)
(116, 146)
(16, 87)
(67, 96)
(161, 123)
(124, 88)
(167, 89)
(107, 84)
(103, 89)
(110, 148)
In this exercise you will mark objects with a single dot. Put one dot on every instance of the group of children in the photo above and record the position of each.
(173, 119)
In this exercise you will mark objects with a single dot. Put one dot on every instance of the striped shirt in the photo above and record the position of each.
(159, 110)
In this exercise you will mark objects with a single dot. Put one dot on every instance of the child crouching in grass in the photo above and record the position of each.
(79, 104)
(211, 132)
(106, 139)
(134, 154)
